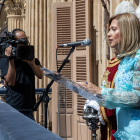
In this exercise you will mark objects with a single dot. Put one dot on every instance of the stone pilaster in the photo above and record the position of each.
(15, 11)
(36, 29)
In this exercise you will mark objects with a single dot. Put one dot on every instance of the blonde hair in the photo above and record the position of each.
(129, 26)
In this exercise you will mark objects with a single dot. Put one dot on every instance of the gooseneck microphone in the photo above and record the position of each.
(85, 42)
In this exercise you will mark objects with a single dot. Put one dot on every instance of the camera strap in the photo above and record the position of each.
(10, 57)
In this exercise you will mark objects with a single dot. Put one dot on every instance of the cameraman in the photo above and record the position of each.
(19, 76)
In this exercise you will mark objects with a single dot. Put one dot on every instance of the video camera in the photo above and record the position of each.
(20, 48)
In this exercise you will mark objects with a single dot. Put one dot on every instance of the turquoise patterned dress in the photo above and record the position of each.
(125, 98)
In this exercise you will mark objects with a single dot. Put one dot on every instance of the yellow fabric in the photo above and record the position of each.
(109, 128)
(104, 115)
(100, 109)
(112, 65)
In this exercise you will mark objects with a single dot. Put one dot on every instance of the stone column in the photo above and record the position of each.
(14, 21)
(36, 29)
(14, 10)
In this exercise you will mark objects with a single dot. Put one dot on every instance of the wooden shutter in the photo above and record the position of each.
(62, 33)
(81, 63)
(71, 22)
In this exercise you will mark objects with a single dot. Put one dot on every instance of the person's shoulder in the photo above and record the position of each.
(36, 59)
(137, 55)
(114, 60)
(138, 52)
(37, 62)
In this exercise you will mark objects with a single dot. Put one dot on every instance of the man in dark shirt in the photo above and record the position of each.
(19, 78)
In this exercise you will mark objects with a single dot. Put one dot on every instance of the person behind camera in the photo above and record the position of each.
(19, 76)
(124, 38)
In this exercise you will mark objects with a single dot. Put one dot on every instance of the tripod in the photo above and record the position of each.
(44, 96)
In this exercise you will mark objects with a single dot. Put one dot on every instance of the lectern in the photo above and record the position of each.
(90, 115)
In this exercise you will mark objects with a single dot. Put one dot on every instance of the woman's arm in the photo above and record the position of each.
(127, 97)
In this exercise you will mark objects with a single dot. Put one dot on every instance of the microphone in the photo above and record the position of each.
(85, 42)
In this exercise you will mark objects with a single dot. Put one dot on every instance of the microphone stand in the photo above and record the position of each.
(44, 96)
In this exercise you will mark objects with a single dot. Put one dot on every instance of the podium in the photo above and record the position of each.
(71, 85)
(63, 84)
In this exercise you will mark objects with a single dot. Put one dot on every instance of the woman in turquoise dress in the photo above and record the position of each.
(124, 38)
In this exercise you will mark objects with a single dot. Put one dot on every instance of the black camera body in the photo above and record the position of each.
(20, 48)
(23, 52)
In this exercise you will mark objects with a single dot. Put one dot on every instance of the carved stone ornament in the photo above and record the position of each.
(24, 8)
(14, 7)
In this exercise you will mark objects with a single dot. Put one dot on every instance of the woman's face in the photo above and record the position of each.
(114, 35)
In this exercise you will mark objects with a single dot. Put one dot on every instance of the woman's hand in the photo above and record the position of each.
(90, 86)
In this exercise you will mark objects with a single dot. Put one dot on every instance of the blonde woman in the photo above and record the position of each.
(124, 39)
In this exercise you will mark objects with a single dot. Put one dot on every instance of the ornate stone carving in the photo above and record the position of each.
(14, 7)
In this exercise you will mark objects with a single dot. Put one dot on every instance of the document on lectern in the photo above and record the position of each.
(73, 86)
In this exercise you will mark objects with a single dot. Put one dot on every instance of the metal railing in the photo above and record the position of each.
(38, 91)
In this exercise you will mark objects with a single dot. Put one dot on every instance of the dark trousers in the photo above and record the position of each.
(29, 114)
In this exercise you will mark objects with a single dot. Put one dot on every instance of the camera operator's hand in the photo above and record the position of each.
(30, 62)
(10, 77)
(36, 68)
(8, 51)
